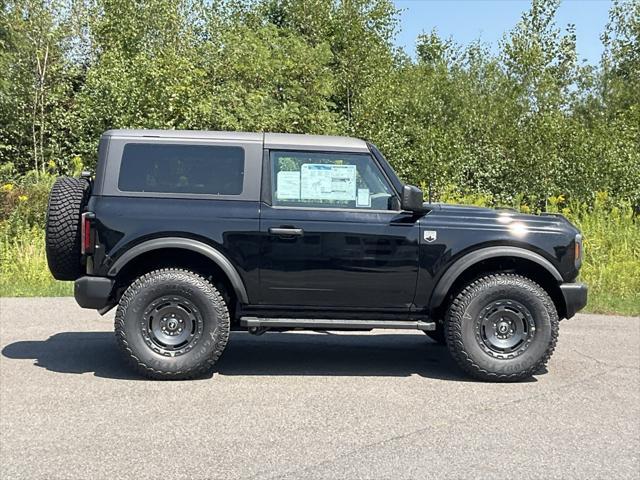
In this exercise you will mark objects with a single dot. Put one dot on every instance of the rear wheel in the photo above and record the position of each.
(172, 324)
(502, 327)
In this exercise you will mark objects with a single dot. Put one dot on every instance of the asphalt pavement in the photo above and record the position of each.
(379, 405)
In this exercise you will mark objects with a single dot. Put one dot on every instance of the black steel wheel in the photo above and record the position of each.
(505, 328)
(172, 324)
(502, 327)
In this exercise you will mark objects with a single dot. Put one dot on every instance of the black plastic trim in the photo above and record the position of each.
(92, 292)
(187, 244)
(575, 297)
(454, 271)
(329, 312)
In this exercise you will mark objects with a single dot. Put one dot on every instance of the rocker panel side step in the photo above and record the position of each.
(329, 324)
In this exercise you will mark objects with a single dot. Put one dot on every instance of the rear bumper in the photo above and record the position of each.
(92, 292)
(575, 297)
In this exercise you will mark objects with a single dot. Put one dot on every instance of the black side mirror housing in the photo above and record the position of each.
(412, 199)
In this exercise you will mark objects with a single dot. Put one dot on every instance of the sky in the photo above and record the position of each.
(467, 20)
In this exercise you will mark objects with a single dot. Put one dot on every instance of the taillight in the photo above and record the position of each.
(85, 233)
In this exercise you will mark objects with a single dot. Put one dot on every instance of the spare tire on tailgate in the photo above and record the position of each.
(67, 201)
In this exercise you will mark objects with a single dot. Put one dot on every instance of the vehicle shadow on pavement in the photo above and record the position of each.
(343, 354)
(75, 352)
(274, 354)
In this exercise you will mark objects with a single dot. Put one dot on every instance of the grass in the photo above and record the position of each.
(610, 304)
(611, 264)
(23, 266)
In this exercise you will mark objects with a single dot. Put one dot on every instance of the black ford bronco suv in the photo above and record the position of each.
(193, 234)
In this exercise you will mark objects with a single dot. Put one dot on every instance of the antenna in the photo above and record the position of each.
(430, 194)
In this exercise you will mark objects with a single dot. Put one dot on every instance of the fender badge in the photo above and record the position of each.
(430, 235)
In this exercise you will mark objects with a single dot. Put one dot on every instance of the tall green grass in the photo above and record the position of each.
(611, 264)
(23, 266)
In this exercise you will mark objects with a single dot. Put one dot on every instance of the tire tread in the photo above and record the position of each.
(67, 200)
(454, 322)
(198, 282)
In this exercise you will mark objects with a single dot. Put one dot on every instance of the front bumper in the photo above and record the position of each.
(575, 297)
(92, 292)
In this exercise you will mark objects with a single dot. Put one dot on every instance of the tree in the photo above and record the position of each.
(525, 123)
(35, 82)
(620, 94)
(621, 59)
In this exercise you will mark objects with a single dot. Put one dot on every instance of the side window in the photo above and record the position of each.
(328, 180)
(172, 168)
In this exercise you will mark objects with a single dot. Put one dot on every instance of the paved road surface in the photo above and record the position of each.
(380, 405)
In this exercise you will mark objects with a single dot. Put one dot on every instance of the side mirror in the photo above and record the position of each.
(412, 199)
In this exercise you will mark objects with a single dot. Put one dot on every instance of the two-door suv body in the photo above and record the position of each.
(193, 234)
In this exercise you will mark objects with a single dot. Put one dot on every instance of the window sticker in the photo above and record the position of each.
(328, 182)
(364, 199)
(288, 186)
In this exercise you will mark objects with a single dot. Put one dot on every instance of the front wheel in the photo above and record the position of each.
(502, 327)
(172, 324)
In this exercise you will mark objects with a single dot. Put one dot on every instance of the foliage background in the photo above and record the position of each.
(527, 126)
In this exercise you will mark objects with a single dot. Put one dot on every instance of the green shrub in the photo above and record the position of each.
(23, 201)
(23, 263)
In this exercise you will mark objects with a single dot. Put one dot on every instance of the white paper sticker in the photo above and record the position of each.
(288, 186)
(364, 199)
(328, 182)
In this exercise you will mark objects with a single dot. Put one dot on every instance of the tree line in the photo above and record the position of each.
(519, 123)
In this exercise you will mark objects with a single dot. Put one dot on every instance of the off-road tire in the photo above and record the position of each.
(134, 340)
(67, 200)
(466, 312)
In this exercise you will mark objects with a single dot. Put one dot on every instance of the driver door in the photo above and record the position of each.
(332, 234)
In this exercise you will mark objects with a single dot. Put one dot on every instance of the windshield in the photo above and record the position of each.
(395, 181)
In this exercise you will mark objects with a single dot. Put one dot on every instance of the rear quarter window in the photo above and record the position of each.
(192, 169)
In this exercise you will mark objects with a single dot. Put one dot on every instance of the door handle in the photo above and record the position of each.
(286, 231)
